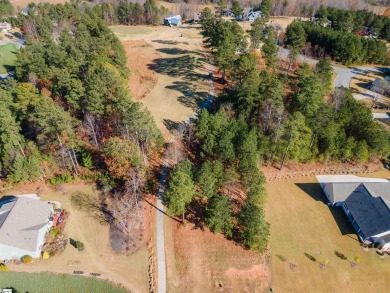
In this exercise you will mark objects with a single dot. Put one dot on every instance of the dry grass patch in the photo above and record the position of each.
(24, 3)
(200, 261)
(172, 55)
(306, 232)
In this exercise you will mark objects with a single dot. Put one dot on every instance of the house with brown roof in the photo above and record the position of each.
(24, 221)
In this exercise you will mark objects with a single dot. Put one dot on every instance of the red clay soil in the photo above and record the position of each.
(140, 56)
(208, 262)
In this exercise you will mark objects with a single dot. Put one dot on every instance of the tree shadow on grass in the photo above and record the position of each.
(169, 42)
(171, 125)
(172, 51)
(92, 206)
(310, 257)
(191, 98)
(180, 66)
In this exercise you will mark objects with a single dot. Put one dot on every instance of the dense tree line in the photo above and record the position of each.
(69, 111)
(6, 8)
(341, 46)
(129, 13)
(355, 21)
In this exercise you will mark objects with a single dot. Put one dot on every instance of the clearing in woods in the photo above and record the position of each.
(173, 69)
(305, 231)
(131, 271)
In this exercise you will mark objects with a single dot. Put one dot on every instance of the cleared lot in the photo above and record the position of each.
(305, 232)
(176, 70)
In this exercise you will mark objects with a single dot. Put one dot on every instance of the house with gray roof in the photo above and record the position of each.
(381, 86)
(365, 201)
(172, 20)
(24, 221)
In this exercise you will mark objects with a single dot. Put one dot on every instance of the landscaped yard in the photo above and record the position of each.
(305, 232)
(7, 57)
(44, 282)
(131, 271)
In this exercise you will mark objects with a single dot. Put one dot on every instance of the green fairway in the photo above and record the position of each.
(45, 282)
(7, 57)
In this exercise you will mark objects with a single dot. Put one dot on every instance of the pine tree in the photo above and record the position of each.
(180, 192)
(270, 49)
(219, 215)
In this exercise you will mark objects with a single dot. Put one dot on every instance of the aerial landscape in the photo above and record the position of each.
(194, 146)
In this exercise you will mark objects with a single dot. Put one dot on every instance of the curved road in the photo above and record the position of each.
(161, 262)
(344, 75)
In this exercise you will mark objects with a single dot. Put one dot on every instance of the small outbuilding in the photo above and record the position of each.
(173, 20)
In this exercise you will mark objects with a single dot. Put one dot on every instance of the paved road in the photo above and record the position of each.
(344, 75)
(161, 262)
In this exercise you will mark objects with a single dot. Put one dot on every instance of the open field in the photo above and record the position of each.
(302, 223)
(176, 70)
(200, 261)
(7, 57)
(130, 271)
(44, 282)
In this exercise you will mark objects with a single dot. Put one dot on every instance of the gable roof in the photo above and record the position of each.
(381, 83)
(21, 218)
(371, 213)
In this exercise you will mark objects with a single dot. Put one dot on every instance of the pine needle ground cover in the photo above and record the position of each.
(7, 57)
(45, 282)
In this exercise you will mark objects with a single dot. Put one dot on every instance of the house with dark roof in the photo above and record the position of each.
(365, 201)
(24, 222)
(381, 86)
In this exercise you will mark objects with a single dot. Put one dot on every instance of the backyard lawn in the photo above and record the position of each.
(45, 282)
(305, 232)
(7, 57)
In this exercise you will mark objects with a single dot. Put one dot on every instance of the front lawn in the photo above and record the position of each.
(45, 282)
(7, 58)
(306, 232)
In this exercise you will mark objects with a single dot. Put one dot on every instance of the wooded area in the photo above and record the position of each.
(68, 113)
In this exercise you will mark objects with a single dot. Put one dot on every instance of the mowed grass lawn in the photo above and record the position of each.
(7, 57)
(301, 222)
(45, 282)
(124, 32)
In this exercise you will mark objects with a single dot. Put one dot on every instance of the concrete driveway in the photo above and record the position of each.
(344, 75)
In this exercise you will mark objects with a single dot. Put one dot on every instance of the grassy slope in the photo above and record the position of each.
(302, 223)
(44, 282)
(7, 57)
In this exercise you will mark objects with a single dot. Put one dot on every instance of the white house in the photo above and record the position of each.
(365, 201)
(248, 14)
(173, 20)
(24, 221)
